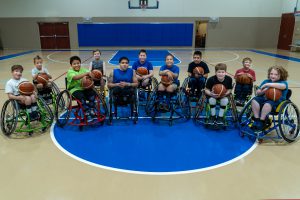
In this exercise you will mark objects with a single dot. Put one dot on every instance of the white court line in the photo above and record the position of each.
(147, 173)
(237, 56)
(174, 56)
(63, 62)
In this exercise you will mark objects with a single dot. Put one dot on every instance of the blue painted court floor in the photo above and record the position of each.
(156, 57)
(151, 147)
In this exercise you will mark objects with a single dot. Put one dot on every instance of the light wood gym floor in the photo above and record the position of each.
(34, 168)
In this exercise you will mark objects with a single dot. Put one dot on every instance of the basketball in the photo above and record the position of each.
(26, 88)
(42, 78)
(87, 82)
(96, 74)
(142, 71)
(165, 80)
(219, 89)
(273, 94)
(198, 70)
(243, 79)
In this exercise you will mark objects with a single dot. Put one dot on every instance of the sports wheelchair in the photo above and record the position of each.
(122, 97)
(70, 110)
(284, 120)
(144, 92)
(50, 98)
(176, 103)
(203, 113)
(15, 118)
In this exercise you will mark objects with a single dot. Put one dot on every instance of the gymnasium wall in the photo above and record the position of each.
(233, 32)
(119, 8)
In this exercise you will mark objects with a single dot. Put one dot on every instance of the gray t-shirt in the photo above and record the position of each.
(35, 71)
(11, 86)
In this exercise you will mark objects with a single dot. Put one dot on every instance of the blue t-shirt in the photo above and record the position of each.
(146, 64)
(174, 69)
(284, 92)
(122, 76)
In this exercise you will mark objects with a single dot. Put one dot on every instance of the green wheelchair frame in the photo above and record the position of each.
(17, 120)
(203, 112)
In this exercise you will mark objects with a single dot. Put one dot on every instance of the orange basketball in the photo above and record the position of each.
(243, 79)
(87, 82)
(142, 71)
(198, 70)
(42, 78)
(26, 88)
(219, 89)
(96, 74)
(273, 94)
(165, 80)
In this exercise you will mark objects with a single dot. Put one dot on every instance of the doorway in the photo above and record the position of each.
(286, 31)
(54, 35)
(201, 32)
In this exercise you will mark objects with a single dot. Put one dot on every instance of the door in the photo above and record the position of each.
(54, 35)
(286, 31)
(201, 31)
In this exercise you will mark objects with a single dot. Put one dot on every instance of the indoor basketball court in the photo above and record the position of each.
(152, 157)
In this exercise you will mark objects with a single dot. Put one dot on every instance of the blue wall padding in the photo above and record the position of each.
(135, 34)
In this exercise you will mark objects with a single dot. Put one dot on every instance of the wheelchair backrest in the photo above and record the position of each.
(289, 94)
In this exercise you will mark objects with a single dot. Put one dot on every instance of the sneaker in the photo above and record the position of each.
(257, 125)
(220, 121)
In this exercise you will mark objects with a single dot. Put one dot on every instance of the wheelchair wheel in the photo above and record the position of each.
(150, 105)
(245, 115)
(45, 113)
(289, 121)
(55, 89)
(185, 83)
(63, 108)
(199, 107)
(233, 109)
(101, 104)
(184, 104)
(9, 117)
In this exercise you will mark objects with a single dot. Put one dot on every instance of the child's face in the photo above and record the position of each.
(196, 59)
(38, 64)
(76, 65)
(97, 55)
(247, 64)
(169, 61)
(142, 57)
(274, 75)
(17, 74)
(124, 65)
(220, 74)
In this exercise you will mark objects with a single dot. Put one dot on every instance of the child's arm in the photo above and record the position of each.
(110, 80)
(80, 76)
(47, 72)
(228, 92)
(210, 93)
(280, 86)
(14, 97)
(104, 69)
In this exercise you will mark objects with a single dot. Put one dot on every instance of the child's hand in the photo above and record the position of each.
(267, 85)
(238, 74)
(250, 76)
(139, 77)
(22, 99)
(214, 95)
(122, 84)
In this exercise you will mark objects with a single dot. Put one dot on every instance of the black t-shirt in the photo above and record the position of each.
(202, 64)
(211, 81)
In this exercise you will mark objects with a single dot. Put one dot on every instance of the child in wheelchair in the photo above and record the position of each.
(122, 82)
(244, 78)
(98, 64)
(27, 102)
(143, 69)
(169, 81)
(74, 84)
(197, 77)
(261, 105)
(221, 97)
(44, 90)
